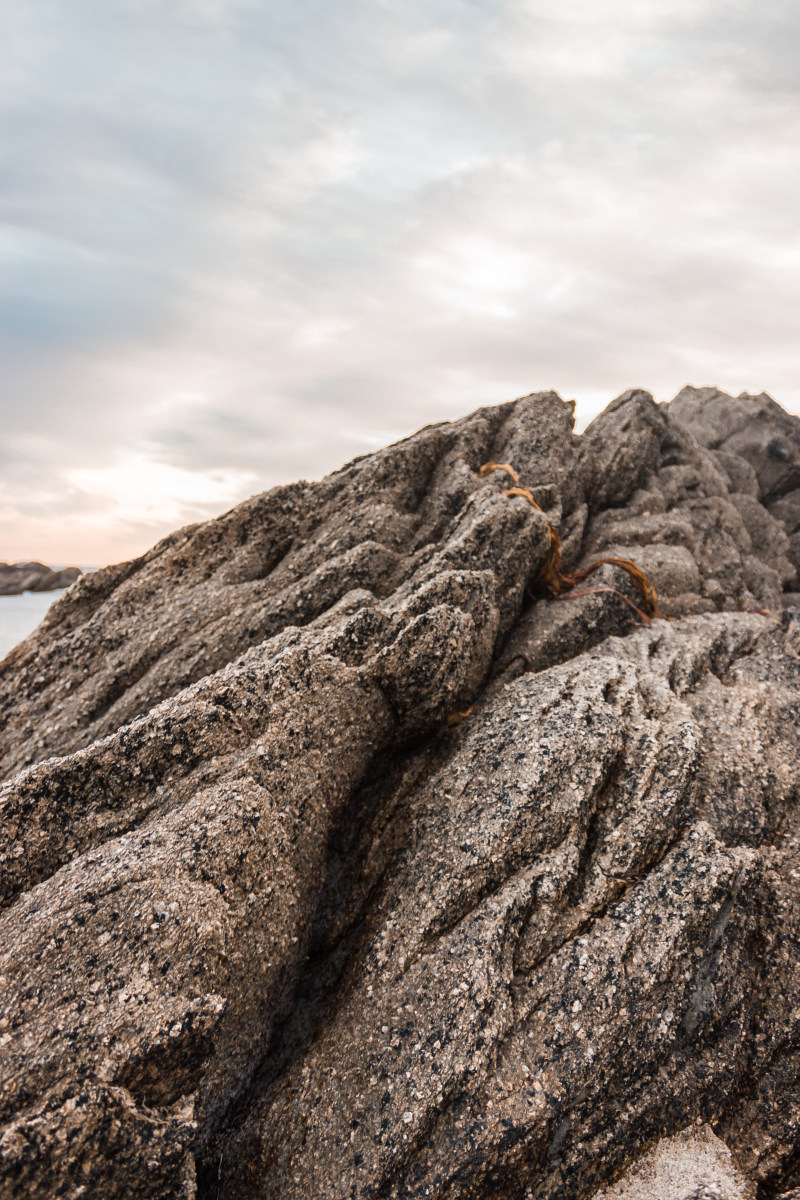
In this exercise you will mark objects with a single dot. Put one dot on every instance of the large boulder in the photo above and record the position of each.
(346, 854)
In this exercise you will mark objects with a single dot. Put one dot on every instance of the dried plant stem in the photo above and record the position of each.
(557, 583)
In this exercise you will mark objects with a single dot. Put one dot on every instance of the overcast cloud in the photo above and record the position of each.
(241, 242)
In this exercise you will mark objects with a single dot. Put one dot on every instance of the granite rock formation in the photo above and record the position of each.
(337, 860)
(16, 578)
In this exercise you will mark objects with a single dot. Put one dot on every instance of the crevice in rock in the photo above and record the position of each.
(333, 945)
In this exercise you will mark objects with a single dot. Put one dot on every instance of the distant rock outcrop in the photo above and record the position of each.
(16, 578)
(341, 858)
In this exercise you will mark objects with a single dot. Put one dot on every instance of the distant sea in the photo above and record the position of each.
(19, 616)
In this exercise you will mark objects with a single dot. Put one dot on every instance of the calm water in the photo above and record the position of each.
(19, 616)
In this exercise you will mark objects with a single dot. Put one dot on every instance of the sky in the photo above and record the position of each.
(242, 242)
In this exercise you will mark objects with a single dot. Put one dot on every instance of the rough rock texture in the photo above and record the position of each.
(273, 926)
(693, 1165)
(16, 578)
(755, 431)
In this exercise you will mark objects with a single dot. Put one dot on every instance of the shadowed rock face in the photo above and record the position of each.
(272, 927)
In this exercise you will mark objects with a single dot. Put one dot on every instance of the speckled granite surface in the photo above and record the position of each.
(339, 861)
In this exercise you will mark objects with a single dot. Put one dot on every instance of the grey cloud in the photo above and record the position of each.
(338, 222)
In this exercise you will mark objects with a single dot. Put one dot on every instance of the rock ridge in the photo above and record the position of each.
(337, 860)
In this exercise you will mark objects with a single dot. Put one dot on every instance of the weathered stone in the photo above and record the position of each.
(625, 441)
(338, 860)
(787, 511)
(753, 427)
(767, 534)
(16, 578)
(567, 936)
(741, 476)
(693, 1165)
(125, 638)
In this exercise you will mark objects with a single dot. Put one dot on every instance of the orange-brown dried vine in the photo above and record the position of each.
(559, 584)
(457, 717)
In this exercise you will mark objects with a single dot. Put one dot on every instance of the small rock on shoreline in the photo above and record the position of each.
(16, 578)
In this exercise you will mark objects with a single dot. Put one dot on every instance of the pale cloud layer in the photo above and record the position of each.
(240, 243)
